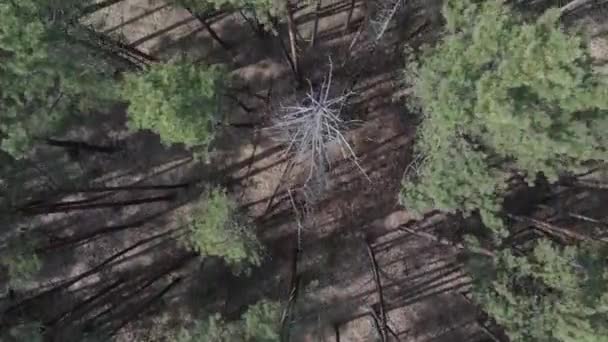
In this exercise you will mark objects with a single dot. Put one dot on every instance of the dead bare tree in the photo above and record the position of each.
(312, 128)
(575, 5)
(381, 322)
(293, 44)
(384, 13)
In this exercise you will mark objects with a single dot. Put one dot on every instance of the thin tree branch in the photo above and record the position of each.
(377, 280)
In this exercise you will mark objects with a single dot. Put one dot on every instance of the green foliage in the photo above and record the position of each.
(264, 10)
(44, 76)
(501, 96)
(217, 230)
(260, 323)
(552, 295)
(21, 260)
(26, 332)
(214, 329)
(179, 101)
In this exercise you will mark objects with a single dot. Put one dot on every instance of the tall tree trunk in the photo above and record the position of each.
(78, 307)
(134, 52)
(256, 27)
(209, 29)
(315, 28)
(112, 54)
(144, 306)
(376, 274)
(59, 208)
(120, 47)
(555, 230)
(98, 6)
(125, 188)
(105, 191)
(147, 304)
(81, 146)
(239, 103)
(88, 273)
(572, 5)
(291, 27)
(337, 331)
(100, 231)
(349, 17)
(287, 56)
(287, 317)
(138, 286)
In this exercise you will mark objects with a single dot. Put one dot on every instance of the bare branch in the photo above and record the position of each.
(384, 14)
(311, 127)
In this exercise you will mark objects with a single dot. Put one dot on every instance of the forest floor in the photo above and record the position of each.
(423, 283)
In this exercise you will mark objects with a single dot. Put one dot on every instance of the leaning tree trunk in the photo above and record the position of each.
(81, 307)
(573, 5)
(10, 311)
(118, 47)
(315, 29)
(60, 208)
(82, 146)
(97, 7)
(291, 26)
(209, 29)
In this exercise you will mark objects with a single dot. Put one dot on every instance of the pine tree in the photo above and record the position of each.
(45, 76)
(554, 294)
(25, 332)
(20, 258)
(502, 96)
(180, 102)
(264, 9)
(260, 323)
(217, 230)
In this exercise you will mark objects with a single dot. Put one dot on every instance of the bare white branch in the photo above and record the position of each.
(311, 127)
(385, 11)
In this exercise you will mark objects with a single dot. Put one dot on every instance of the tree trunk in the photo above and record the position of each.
(81, 146)
(288, 57)
(588, 219)
(104, 230)
(129, 49)
(256, 27)
(90, 272)
(286, 318)
(374, 264)
(554, 230)
(209, 29)
(117, 46)
(105, 192)
(315, 28)
(291, 27)
(98, 6)
(140, 285)
(143, 307)
(442, 241)
(572, 5)
(111, 54)
(126, 188)
(78, 307)
(590, 184)
(59, 208)
(337, 331)
(350, 16)
(239, 103)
